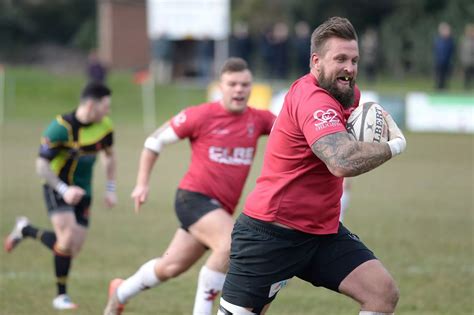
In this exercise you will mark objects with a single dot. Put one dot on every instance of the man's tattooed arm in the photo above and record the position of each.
(346, 157)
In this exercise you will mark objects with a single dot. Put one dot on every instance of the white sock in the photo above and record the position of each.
(374, 313)
(210, 284)
(143, 279)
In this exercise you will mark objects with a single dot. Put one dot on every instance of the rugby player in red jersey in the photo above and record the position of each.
(223, 137)
(290, 223)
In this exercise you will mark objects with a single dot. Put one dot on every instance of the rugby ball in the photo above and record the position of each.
(366, 123)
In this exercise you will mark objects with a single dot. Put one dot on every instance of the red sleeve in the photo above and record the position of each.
(267, 121)
(319, 115)
(186, 123)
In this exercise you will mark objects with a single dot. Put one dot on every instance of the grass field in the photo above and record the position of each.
(416, 212)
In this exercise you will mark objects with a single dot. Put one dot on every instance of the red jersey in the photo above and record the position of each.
(223, 146)
(295, 188)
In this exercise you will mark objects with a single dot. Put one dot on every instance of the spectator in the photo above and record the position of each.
(96, 70)
(279, 45)
(406, 55)
(241, 42)
(369, 50)
(467, 55)
(266, 52)
(443, 53)
(162, 56)
(301, 47)
(205, 59)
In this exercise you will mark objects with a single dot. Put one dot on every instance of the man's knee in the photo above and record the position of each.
(222, 252)
(226, 308)
(372, 286)
(386, 297)
(391, 293)
(65, 243)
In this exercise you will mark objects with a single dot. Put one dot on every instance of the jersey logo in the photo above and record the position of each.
(215, 202)
(326, 118)
(250, 130)
(211, 295)
(220, 131)
(179, 119)
(277, 287)
(231, 156)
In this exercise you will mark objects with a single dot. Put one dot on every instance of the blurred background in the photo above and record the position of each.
(159, 56)
(397, 34)
(426, 45)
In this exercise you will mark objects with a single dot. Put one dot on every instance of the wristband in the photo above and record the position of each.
(61, 188)
(111, 186)
(397, 146)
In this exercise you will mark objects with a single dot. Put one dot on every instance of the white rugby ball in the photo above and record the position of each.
(366, 123)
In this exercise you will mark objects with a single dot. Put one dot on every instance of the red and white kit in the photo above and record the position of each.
(287, 190)
(222, 143)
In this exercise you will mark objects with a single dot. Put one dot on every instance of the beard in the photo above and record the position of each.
(346, 98)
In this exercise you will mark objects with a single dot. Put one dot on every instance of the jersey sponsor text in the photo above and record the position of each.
(232, 156)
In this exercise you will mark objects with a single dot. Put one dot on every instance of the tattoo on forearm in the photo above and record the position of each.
(339, 150)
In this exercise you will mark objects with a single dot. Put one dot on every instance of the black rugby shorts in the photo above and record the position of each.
(55, 203)
(190, 206)
(264, 257)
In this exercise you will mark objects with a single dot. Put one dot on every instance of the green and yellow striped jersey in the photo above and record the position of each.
(71, 147)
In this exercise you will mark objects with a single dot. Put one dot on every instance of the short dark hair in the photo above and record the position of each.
(234, 64)
(333, 27)
(95, 90)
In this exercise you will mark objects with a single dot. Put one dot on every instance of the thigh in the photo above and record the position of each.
(262, 260)
(55, 205)
(82, 211)
(214, 229)
(366, 281)
(183, 251)
(79, 237)
(64, 224)
(192, 206)
(337, 256)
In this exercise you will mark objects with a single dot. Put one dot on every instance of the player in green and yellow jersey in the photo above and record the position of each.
(67, 154)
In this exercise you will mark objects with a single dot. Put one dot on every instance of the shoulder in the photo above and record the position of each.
(190, 118)
(306, 87)
(107, 123)
(58, 129)
(198, 109)
(312, 94)
(199, 112)
(261, 113)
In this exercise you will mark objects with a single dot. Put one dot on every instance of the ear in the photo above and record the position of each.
(315, 62)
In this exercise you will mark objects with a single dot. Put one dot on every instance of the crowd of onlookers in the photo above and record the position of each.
(281, 53)
(444, 50)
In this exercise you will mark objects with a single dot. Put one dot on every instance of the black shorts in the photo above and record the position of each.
(190, 206)
(55, 203)
(264, 257)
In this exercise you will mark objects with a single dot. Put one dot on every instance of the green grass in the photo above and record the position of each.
(416, 212)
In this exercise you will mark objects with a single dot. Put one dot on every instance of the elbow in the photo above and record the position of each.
(341, 171)
(38, 166)
(41, 164)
